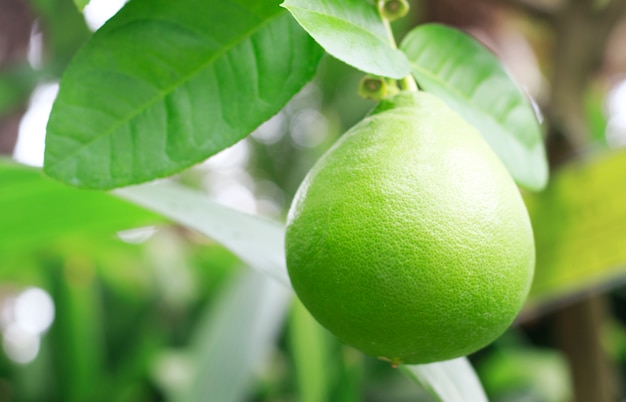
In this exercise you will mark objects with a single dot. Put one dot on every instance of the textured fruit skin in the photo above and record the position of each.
(408, 239)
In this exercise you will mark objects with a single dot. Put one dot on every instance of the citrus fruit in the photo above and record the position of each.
(409, 239)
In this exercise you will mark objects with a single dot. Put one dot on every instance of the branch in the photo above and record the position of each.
(612, 14)
(532, 8)
(581, 36)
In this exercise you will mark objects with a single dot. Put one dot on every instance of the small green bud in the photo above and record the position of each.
(391, 10)
(374, 88)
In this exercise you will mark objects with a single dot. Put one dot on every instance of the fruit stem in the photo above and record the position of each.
(407, 83)
(392, 39)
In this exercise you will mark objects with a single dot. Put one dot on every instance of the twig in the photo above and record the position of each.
(612, 14)
(581, 34)
(533, 9)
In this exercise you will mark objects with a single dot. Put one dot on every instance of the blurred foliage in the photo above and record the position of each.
(128, 314)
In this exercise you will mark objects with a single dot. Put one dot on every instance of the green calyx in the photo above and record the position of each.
(392, 10)
(401, 100)
(374, 88)
(377, 88)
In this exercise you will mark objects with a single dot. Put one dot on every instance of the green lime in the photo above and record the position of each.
(408, 239)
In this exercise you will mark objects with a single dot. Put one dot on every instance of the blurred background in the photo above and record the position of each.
(103, 301)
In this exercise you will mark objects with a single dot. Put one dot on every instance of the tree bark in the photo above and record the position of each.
(16, 21)
(579, 328)
(581, 35)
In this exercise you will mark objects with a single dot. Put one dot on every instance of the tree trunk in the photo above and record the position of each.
(16, 21)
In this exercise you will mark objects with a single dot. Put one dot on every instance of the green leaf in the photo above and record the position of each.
(15, 87)
(580, 231)
(448, 381)
(80, 4)
(310, 352)
(78, 332)
(66, 32)
(353, 32)
(472, 81)
(166, 84)
(235, 338)
(257, 241)
(38, 210)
